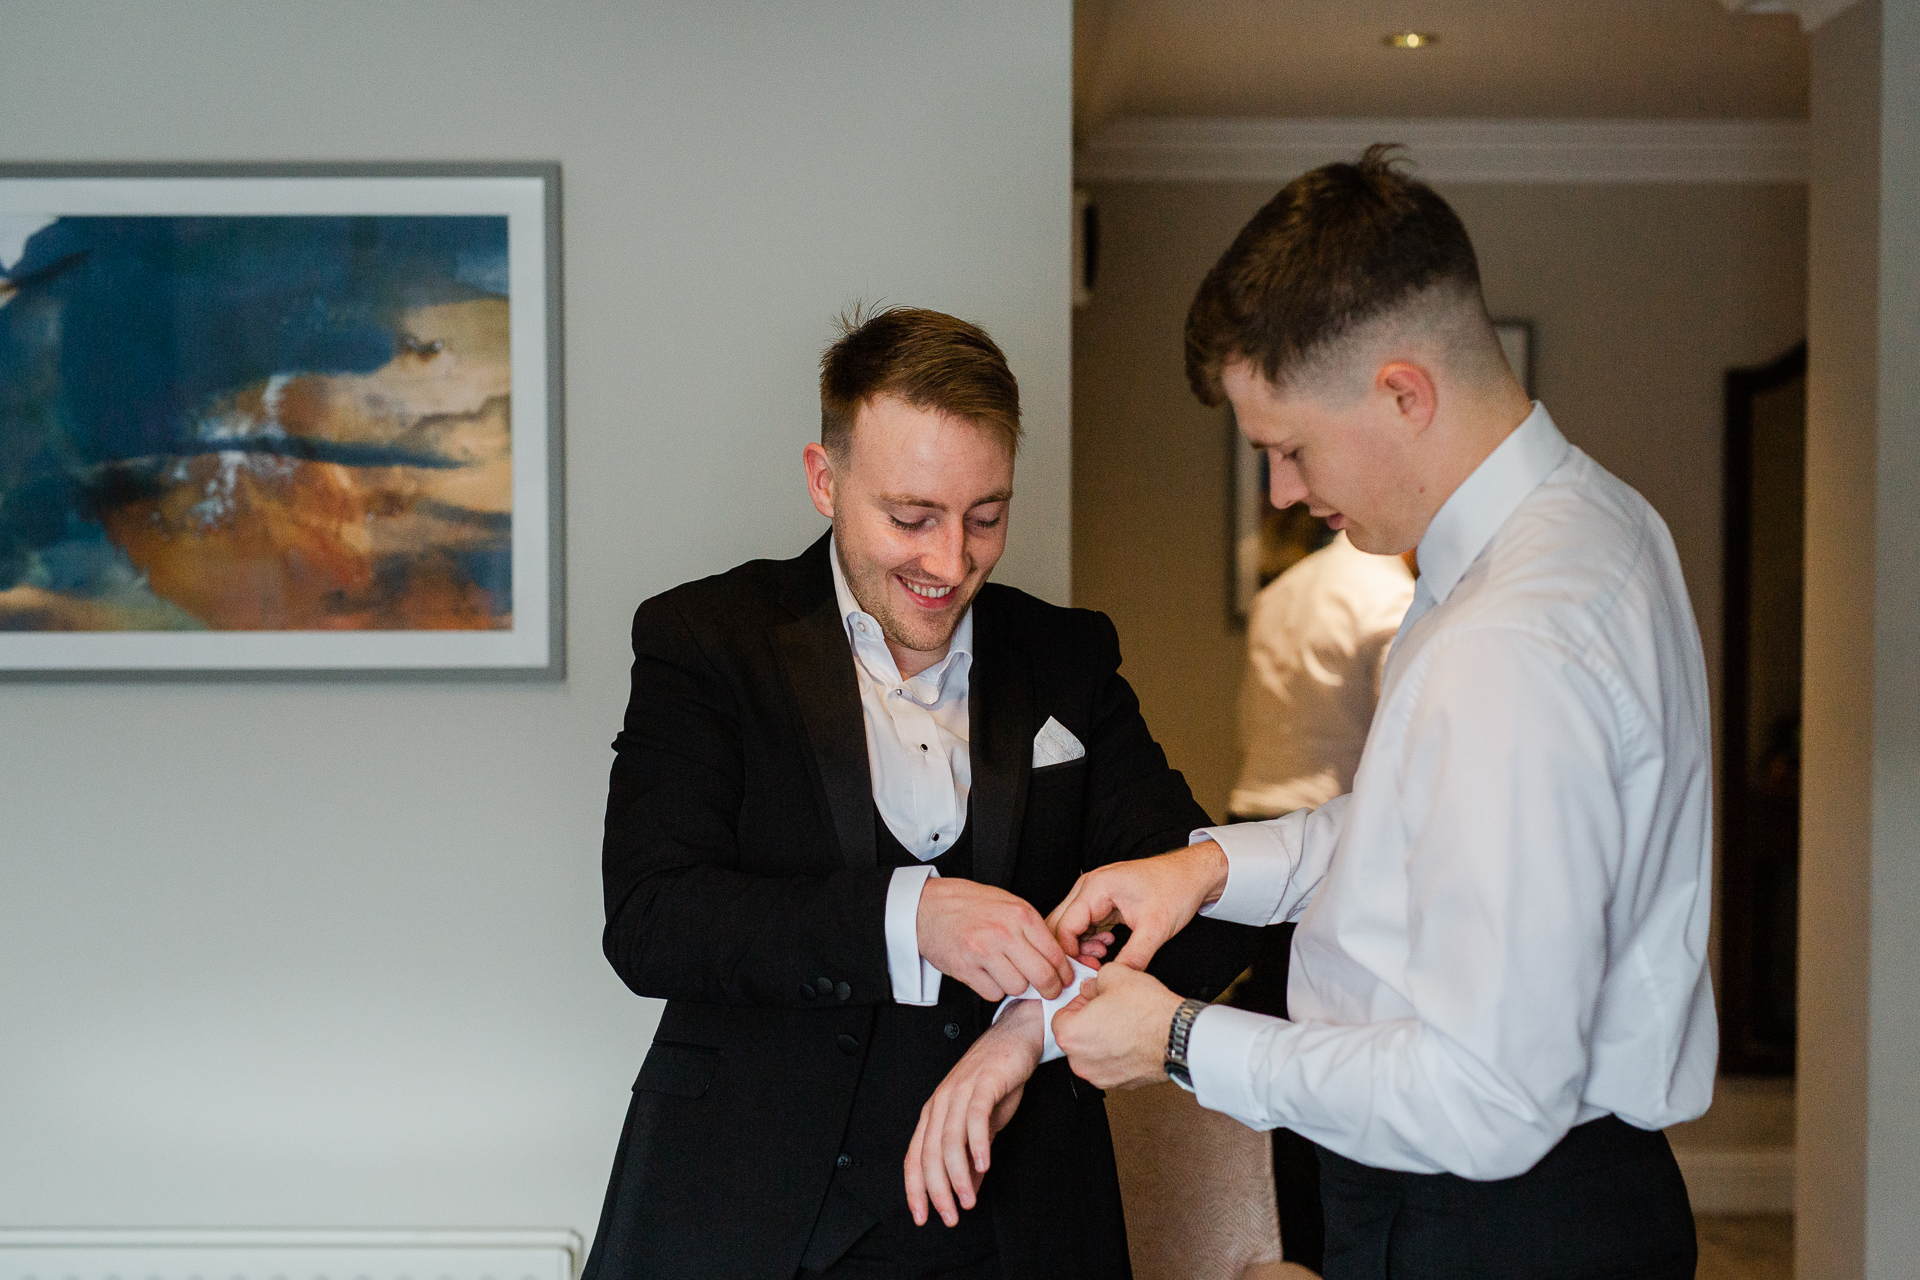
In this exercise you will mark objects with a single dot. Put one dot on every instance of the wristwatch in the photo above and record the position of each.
(1176, 1065)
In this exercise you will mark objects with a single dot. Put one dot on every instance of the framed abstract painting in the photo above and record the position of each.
(280, 421)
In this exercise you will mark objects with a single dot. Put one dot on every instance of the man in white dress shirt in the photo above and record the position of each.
(1499, 990)
(1317, 641)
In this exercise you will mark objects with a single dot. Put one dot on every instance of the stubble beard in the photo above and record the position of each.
(872, 591)
(921, 634)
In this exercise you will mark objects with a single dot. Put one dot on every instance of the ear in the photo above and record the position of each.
(1412, 391)
(819, 465)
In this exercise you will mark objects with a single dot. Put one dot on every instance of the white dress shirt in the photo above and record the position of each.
(922, 770)
(1503, 926)
(1317, 639)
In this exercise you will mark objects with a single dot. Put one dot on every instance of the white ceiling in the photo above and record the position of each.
(1528, 59)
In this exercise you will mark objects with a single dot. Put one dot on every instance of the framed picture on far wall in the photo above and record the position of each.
(280, 421)
(1266, 541)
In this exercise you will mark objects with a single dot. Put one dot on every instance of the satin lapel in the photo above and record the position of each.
(818, 664)
(1000, 716)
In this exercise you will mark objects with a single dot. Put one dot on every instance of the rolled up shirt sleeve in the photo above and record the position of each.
(915, 981)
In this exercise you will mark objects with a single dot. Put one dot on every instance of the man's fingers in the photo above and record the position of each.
(1007, 974)
(1065, 1015)
(1036, 970)
(1140, 948)
(980, 1132)
(1090, 909)
(1042, 960)
(916, 1180)
(1053, 916)
(933, 1163)
(1042, 940)
(1071, 919)
(953, 1149)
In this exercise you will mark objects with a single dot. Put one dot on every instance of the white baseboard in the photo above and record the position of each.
(27, 1254)
(1757, 1180)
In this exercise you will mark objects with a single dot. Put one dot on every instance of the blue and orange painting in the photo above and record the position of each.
(255, 423)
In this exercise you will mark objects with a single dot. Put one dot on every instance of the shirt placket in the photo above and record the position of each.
(919, 735)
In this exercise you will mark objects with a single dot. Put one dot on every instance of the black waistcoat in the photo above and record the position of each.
(909, 1053)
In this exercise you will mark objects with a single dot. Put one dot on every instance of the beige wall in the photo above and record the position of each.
(323, 955)
(1859, 1125)
(1641, 297)
(1837, 720)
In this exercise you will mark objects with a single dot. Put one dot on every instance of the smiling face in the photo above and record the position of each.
(919, 504)
(1349, 457)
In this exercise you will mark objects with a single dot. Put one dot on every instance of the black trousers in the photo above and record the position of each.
(1607, 1203)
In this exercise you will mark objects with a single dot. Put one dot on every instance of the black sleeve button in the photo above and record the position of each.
(823, 985)
(842, 992)
(843, 1162)
(953, 1030)
(806, 991)
(848, 1045)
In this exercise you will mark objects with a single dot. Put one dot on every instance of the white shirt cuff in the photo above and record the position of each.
(915, 981)
(1049, 1049)
(1258, 871)
(1220, 1052)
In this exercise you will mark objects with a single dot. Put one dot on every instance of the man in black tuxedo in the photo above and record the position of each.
(841, 777)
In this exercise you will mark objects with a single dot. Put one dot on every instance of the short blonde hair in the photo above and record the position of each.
(928, 359)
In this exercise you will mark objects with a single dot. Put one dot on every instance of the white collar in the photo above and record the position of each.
(959, 656)
(1469, 518)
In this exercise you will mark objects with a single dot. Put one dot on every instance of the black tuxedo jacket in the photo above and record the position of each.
(742, 887)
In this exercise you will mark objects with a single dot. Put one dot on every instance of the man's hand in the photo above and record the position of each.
(1154, 897)
(989, 939)
(1115, 1031)
(952, 1146)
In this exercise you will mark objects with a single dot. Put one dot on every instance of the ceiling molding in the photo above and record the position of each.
(1225, 150)
(1811, 12)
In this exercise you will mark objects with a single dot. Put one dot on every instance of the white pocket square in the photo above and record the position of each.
(1055, 745)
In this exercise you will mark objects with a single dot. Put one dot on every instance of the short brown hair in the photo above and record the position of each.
(928, 359)
(1338, 247)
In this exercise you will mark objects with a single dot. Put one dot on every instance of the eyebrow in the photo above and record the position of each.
(908, 500)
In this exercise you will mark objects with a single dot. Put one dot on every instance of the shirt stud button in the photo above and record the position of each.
(953, 1030)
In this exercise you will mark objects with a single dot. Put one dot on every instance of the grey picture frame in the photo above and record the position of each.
(528, 195)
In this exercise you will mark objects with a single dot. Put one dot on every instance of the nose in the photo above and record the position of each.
(1284, 485)
(947, 558)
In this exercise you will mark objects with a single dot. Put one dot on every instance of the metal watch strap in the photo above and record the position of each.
(1177, 1034)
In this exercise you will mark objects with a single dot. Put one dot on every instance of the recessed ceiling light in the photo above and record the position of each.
(1410, 39)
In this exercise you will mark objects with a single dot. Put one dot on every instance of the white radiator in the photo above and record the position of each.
(289, 1255)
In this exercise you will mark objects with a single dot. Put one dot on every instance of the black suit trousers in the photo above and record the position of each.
(1607, 1203)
